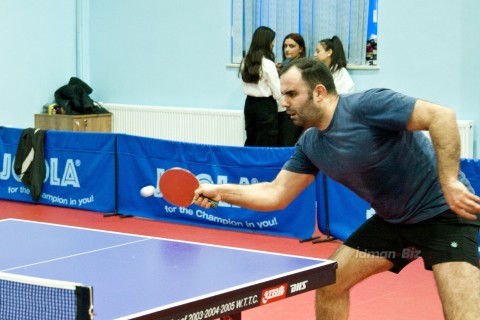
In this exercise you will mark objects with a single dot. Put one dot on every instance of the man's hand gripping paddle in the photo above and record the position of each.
(178, 187)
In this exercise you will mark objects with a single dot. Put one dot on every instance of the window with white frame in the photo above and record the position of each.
(353, 21)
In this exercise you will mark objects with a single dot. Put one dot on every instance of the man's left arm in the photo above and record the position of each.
(442, 126)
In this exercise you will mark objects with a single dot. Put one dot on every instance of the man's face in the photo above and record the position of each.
(298, 100)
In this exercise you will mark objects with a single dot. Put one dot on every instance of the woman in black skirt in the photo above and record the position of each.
(261, 84)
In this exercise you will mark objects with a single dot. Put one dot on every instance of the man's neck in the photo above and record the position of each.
(330, 103)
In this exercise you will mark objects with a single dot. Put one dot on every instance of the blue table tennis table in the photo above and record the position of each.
(141, 277)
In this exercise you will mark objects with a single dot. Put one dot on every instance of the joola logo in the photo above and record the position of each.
(298, 286)
(274, 294)
(68, 177)
(206, 178)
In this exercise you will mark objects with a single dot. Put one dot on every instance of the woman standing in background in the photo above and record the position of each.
(330, 52)
(293, 48)
(261, 84)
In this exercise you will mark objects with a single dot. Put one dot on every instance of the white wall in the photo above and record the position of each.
(37, 55)
(427, 49)
(422, 51)
(175, 53)
(171, 53)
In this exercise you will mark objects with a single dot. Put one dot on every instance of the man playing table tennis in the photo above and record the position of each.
(370, 142)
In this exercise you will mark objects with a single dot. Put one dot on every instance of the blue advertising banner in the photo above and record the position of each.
(142, 161)
(346, 211)
(80, 174)
(80, 170)
(471, 168)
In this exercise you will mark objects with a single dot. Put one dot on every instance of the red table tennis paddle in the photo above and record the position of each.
(178, 185)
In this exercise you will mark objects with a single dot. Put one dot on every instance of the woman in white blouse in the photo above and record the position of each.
(261, 84)
(330, 52)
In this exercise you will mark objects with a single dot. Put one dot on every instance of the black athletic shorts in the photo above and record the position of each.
(443, 238)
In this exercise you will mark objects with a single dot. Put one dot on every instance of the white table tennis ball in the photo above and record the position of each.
(147, 191)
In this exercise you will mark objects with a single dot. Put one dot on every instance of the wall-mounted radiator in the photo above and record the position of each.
(465, 127)
(208, 126)
(466, 138)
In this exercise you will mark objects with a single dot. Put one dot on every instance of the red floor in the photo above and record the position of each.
(410, 295)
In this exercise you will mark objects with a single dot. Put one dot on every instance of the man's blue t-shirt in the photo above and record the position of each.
(367, 148)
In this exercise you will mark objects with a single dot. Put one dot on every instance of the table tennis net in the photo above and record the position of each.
(23, 297)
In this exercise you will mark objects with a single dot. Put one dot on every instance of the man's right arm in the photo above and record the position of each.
(442, 126)
(263, 196)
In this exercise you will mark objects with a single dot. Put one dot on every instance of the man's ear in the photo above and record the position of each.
(319, 92)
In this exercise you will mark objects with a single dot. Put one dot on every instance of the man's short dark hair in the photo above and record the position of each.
(313, 72)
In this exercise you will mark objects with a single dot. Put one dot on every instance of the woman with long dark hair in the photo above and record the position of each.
(293, 47)
(261, 84)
